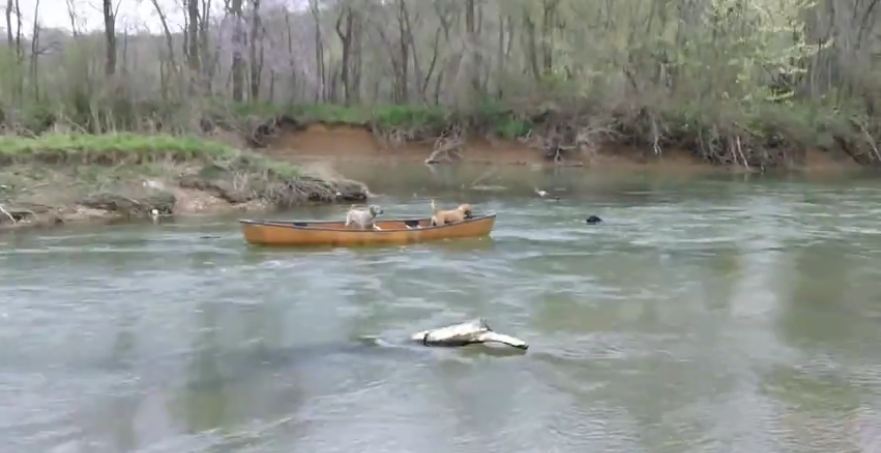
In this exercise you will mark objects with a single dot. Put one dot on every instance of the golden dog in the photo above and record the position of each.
(445, 217)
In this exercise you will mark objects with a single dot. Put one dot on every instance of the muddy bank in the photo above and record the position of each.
(41, 195)
(332, 142)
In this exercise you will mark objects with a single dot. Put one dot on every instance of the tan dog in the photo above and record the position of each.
(442, 217)
(363, 217)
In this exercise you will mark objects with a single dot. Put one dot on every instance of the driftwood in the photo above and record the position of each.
(447, 153)
(870, 140)
(16, 214)
(161, 201)
(476, 331)
(7, 214)
(447, 147)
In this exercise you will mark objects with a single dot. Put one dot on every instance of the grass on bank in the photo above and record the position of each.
(128, 148)
(489, 117)
(86, 148)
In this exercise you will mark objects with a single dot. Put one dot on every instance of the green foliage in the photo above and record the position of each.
(144, 151)
(82, 147)
(512, 128)
(499, 119)
(330, 113)
(11, 76)
(37, 117)
(409, 116)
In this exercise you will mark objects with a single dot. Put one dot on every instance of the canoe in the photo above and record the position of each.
(335, 233)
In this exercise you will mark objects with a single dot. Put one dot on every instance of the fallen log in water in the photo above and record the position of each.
(470, 332)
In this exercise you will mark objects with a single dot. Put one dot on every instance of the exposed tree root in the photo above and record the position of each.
(447, 147)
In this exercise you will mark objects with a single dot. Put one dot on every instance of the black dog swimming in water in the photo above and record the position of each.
(593, 220)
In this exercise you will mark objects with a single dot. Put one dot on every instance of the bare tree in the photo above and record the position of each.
(238, 64)
(14, 42)
(206, 64)
(193, 39)
(321, 92)
(109, 37)
(531, 47)
(256, 56)
(346, 27)
(72, 15)
(9, 39)
(169, 40)
(404, 48)
(471, 30)
(549, 17)
(292, 61)
(35, 52)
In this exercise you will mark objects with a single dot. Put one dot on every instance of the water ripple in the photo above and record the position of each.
(704, 315)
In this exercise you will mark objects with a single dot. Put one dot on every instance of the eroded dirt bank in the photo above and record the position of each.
(325, 142)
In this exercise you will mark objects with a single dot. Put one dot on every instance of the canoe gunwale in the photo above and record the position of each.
(315, 226)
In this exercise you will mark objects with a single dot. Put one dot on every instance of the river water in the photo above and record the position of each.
(706, 314)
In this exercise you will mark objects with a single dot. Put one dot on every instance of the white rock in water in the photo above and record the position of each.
(153, 184)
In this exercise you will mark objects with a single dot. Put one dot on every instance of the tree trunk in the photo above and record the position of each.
(531, 47)
(319, 52)
(110, 37)
(472, 39)
(469, 22)
(549, 13)
(500, 58)
(125, 53)
(193, 39)
(207, 65)
(9, 38)
(292, 62)
(169, 41)
(404, 51)
(433, 63)
(71, 14)
(35, 52)
(19, 52)
(256, 60)
(271, 86)
(238, 66)
(411, 40)
(345, 35)
(356, 57)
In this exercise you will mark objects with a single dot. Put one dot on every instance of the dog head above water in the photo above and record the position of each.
(466, 210)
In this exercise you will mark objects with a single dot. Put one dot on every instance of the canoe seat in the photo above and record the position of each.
(300, 224)
(411, 223)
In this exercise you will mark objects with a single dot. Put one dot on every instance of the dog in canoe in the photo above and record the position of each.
(450, 216)
(363, 217)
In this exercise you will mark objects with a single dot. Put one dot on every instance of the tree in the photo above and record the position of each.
(256, 57)
(238, 65)
(109, 37)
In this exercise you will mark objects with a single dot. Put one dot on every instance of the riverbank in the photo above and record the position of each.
(57, 179)
(774, 138)
(787, 135)
(329, 142)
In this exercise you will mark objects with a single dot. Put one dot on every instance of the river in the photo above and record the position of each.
(707, 313)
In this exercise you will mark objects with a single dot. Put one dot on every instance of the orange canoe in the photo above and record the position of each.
(335, 233)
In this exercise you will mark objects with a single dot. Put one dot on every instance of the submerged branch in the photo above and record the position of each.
(7, 214)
